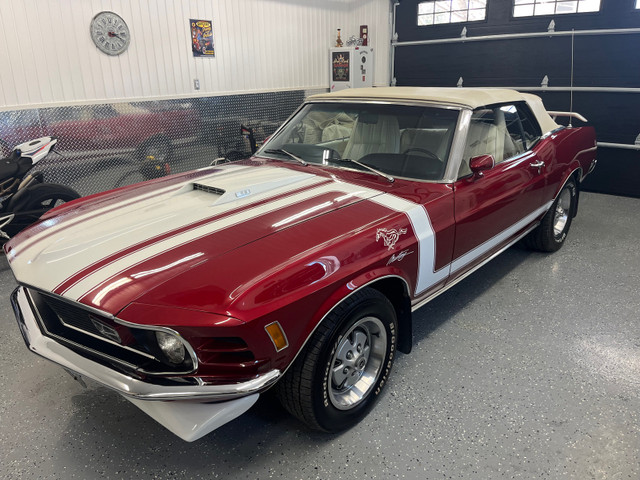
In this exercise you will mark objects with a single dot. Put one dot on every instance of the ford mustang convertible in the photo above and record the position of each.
(297, 269)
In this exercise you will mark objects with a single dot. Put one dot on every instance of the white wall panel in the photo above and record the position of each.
(260, 45)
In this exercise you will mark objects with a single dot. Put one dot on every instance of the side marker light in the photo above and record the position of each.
(276, 333)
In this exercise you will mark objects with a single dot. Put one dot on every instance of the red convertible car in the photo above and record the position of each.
(297, 269)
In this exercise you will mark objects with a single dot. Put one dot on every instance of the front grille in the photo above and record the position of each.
(132, 350)
(71, 315)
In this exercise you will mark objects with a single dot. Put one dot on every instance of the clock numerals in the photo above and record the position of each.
(110, 33)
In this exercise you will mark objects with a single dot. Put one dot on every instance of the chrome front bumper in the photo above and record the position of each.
(186, 410)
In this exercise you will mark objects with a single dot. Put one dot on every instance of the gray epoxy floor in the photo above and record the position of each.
(530, 368)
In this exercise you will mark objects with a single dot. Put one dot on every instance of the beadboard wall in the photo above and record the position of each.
(48, 58)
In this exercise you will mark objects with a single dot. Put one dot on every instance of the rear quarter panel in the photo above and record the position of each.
(564, 152)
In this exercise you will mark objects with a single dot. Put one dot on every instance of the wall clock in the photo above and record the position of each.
(110, 33)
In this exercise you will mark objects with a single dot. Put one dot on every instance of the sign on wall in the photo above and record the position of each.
(340, 62)
(202, 38)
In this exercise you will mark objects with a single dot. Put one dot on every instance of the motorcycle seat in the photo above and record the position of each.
(8, 168)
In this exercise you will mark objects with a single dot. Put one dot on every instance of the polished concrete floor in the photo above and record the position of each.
(530, 368)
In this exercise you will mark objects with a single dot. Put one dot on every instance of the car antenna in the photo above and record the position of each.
(571, 87)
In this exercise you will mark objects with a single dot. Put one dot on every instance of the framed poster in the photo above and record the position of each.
(340, 62)
(202, 38)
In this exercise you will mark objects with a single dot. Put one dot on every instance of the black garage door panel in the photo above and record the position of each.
(599, 61)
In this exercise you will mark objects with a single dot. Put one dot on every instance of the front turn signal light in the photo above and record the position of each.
(276, 333)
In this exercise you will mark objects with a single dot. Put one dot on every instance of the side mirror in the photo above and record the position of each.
(481, 163)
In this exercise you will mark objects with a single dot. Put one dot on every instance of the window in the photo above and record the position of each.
(531, 8)
(502, 131)
(637, 4)
(400, 140)
(451, 11)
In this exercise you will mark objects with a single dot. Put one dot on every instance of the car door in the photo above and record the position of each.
(494, 207)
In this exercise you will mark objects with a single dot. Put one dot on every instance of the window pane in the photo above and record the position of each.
(425, 7)
(475, 15)
(637, 3)
(567, 7)
(457, 17)
(523, 11)
(590, 6)
(460, 5)
(545, 8)
(425, 20)
(443, 6)
(442, 18)
(526, 8)
(451, 11)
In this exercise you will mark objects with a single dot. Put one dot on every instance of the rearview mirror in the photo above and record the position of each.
(481, 163)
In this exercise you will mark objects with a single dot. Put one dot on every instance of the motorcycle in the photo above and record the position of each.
(24, 196)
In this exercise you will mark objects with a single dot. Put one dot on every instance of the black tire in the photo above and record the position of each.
(550, 235)
(309, 391)
(31, 203)
(156, 150)
(42, 196)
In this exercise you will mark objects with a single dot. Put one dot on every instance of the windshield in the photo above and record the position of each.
(399, 140)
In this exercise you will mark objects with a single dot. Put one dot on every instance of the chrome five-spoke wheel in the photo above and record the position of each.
(346, 363)
(562, 212)
(357, 363)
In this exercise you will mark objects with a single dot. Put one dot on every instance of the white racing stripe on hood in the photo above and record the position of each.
(99, 276)
(67, 251)
(113, 209)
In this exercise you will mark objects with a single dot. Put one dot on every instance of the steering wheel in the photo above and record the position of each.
(422, 150)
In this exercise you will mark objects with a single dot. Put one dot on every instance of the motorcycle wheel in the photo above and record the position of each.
(34, 201)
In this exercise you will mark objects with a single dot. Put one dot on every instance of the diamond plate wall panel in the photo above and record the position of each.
(103, 146)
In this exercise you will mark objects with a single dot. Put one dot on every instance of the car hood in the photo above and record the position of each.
(105, 251)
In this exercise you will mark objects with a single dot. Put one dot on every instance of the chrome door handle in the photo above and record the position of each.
(539, 164)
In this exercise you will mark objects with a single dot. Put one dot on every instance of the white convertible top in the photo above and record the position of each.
(464, 97)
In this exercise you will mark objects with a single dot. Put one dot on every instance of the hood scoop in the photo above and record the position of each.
(209, 189)
(227, 190)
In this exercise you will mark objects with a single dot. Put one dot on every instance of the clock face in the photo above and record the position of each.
(110, 33)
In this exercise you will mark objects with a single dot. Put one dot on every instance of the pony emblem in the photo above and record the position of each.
(390, 236)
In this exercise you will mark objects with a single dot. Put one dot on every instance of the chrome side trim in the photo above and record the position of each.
(129, 387)
(458, 145)
(420, 303)
(388, 101)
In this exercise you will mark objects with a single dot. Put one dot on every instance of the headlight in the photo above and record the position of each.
(171, 346)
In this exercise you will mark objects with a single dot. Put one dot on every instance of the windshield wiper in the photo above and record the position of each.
(289, 154)
(371, 169)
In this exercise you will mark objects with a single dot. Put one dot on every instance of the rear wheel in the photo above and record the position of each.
(42, 196)
(550, 235)
(34, 201)
(338, 376)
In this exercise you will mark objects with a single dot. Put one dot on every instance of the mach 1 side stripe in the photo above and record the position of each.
(425, 236)
(72, 280)
(120, 264)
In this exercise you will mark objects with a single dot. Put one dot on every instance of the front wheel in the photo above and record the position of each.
(338, 376)
(550, 235)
